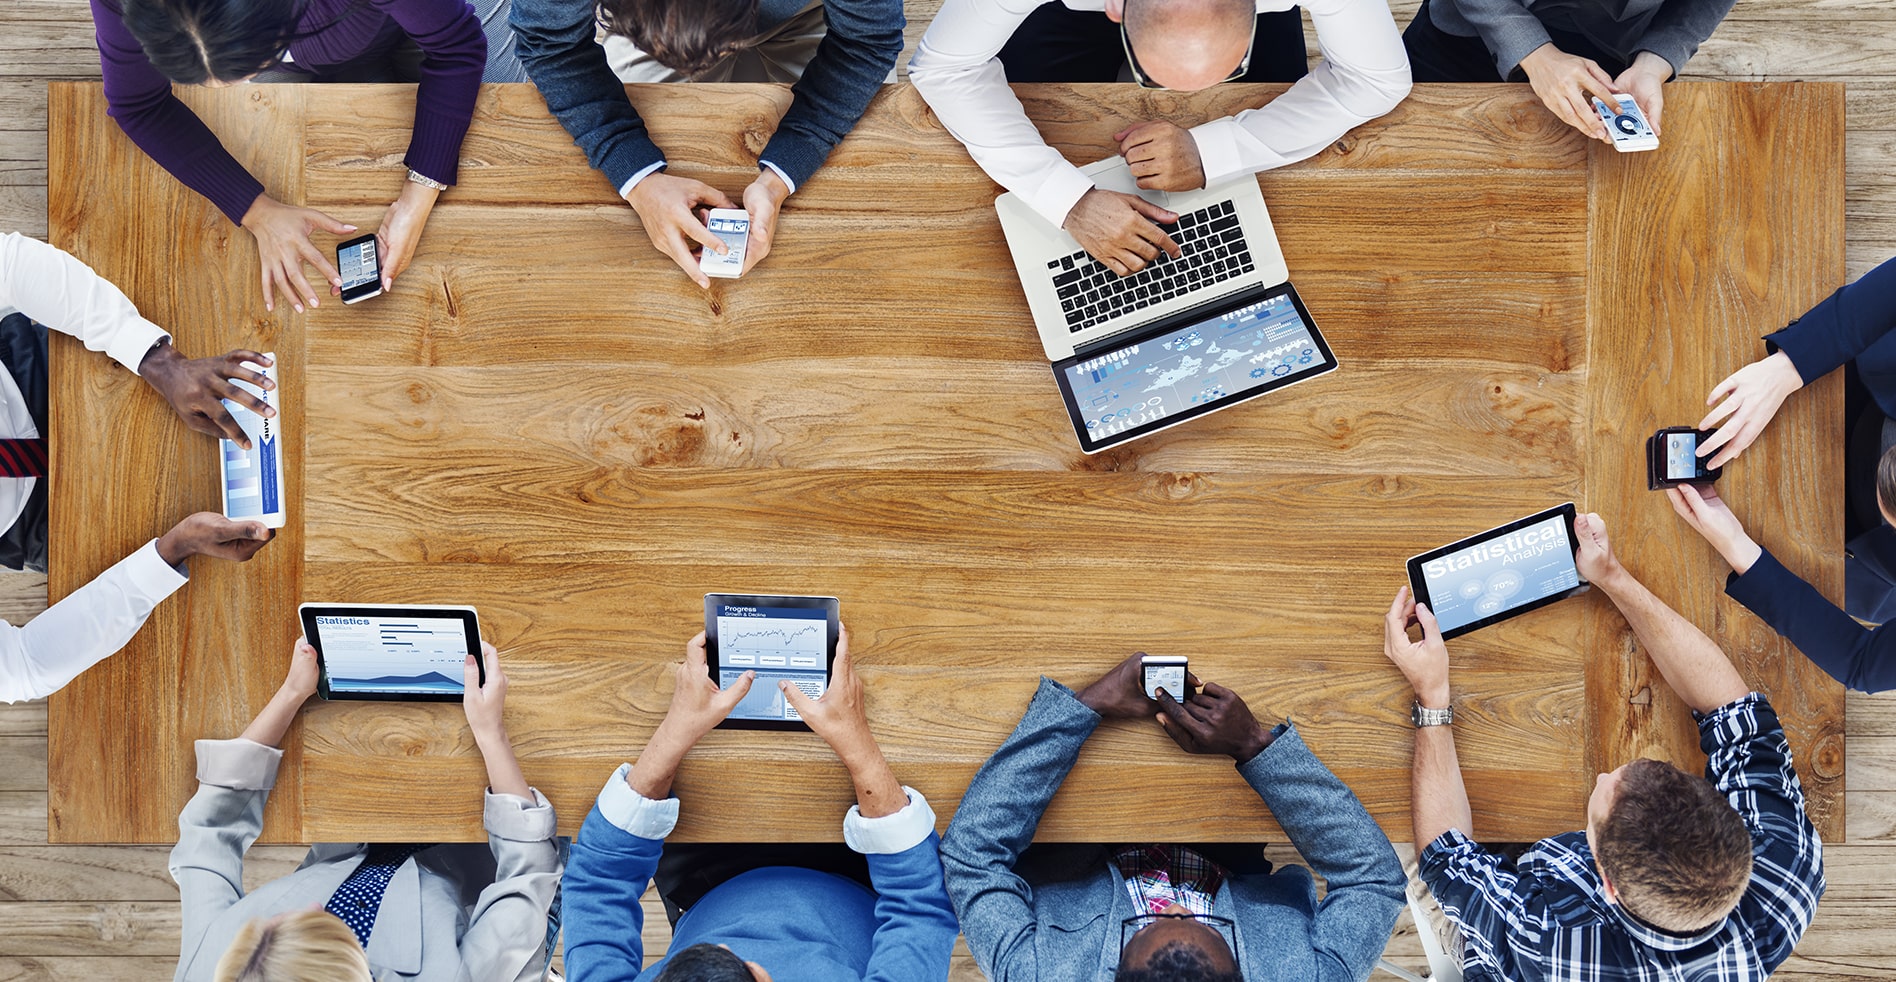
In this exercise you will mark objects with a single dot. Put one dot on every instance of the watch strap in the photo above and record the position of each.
(1422, 716)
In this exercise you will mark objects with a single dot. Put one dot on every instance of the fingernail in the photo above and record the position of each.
(298, 307)
(348, 228)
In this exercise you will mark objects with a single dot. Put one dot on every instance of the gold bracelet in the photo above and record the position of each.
(425, 181)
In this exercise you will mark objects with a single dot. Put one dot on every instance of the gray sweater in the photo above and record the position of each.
(1671, 29)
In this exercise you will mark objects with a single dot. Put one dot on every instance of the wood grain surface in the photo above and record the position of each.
(546, 420)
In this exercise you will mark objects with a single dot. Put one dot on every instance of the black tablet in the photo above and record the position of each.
(394, 652)
(781, 639)
(1488, 578)
(1182, 367)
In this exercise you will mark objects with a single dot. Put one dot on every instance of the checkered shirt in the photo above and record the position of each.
(1158, 876)
(1546, 919)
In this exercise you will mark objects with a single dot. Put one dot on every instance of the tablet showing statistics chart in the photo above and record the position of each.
(1505, 571)
(782, 639)
(410, 653)
(1209, 359)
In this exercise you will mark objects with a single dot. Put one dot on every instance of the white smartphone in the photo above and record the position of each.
(732, 227)
(1164, 672)
(1627, 124)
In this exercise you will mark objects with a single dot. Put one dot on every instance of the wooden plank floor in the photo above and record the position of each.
(104, 913)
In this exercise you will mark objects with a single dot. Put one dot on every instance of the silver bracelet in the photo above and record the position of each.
(425, 181)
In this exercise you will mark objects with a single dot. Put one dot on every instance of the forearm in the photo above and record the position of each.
(87, 626)
(878, 793)
(271, 724)
(503, 768)
(454, 55)
(555, 42)
(1693, 665)
(652, 774)
(1679, 28)
(855, 56)
(1439, 798)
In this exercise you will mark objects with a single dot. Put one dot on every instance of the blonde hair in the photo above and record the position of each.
(306, 946)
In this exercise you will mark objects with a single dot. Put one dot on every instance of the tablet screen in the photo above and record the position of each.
(393, 653)
(778, 643)
(1513, 567)
(1192, 368)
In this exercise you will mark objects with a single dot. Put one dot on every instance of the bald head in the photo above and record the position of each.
(1189, 44)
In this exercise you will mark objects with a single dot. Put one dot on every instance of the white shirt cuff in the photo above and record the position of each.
(889, 834)
(152, 577)
(633, 181)
(634, 812)
(134, 341)
(1221, 148)
(774, 169)
(239, 764)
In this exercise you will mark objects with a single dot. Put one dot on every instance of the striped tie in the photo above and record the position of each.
(22, 458)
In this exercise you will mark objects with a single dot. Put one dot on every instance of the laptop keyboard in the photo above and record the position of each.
(1213, 250)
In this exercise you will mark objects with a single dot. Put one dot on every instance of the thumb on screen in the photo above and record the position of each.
(470, 676)
(729, 698)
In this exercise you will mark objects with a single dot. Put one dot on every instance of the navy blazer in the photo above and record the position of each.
(1066, 926)
(1854, 323)
(1862, 658)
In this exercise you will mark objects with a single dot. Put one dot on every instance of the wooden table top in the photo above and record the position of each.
(546, 420)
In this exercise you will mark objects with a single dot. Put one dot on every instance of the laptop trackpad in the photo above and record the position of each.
(1112, 174)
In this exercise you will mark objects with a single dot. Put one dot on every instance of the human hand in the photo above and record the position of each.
(484, 703)
(282, 233)
(1424, 663)
(1709, 516)
(1567, 84)
(400, 231)
(1213, 721)
(1118, 230)
(1645, 81)
(300, 681)
(1162, 155)
(196, 388)
(209, 534)
(668, 208)
(697, 704)
(763, 200)
(839, 717)
(1595, 557)
(1751, 397)
(1120, 693)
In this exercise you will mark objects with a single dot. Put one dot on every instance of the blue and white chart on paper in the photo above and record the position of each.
(1201, 363)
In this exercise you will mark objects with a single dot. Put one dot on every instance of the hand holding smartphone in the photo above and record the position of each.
(1672, 458)
(1626, 123)
(1164, 672)
(732, 227)
(360, 263)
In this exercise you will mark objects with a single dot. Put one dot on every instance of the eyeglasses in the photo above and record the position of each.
(1139, 75)
(1226, 928)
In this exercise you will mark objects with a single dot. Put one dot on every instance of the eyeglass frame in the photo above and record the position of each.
(1226, 927)
(1145, 82)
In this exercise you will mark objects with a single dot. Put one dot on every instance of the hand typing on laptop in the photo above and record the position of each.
(1120, 230)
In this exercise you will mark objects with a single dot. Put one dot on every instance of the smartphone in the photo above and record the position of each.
(1627, 125)
(732, 227)
(1672, 458)
(1164, 672)
(361, 267)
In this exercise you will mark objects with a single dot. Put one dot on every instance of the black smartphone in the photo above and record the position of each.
(1672, 458)
(360, 263)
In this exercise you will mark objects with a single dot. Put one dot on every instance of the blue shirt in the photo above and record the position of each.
(1547, 918)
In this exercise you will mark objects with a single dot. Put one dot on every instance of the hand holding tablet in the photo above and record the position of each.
(393, 652)
(777, 640)
(1501, 573)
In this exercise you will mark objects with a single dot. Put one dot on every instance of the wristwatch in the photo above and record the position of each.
(425, 181)
(1424, 716)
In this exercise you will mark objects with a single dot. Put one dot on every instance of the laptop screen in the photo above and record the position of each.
(1191, 365)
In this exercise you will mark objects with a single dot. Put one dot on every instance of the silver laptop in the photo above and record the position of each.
(1224, 231)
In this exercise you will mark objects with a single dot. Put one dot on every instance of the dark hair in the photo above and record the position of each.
(1176, 962)
(192, 42)
(1674, 848)
(686, 36)
(1886, 480)
(705, 963)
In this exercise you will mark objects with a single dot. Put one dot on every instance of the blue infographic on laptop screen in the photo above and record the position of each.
(1265, 343)
(402, 654)
(1498, 574)
(778, 643)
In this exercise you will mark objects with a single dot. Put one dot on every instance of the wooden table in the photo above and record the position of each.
(546, 420)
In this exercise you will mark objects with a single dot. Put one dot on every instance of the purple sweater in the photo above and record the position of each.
(454, 53)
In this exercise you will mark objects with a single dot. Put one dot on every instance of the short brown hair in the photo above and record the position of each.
(686, 36)
(1886, 480)
(1672, 846)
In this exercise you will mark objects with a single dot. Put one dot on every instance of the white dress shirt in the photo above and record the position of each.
(1364, 74)
(64, 294)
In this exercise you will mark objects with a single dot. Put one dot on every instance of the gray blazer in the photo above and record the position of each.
(455, 913)
(1512, 29)
(1062, 925)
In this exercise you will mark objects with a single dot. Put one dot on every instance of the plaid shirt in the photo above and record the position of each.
(1546, 918)
(1158, 876)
